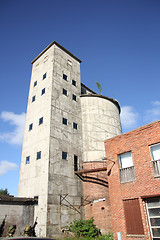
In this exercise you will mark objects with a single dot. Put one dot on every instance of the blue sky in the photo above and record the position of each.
(118, 42)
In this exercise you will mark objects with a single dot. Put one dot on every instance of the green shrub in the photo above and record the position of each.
(84, 228)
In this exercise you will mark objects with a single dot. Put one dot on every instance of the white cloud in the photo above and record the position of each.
(17, 120)
(129, 117)
(153, 113)
(6, 166)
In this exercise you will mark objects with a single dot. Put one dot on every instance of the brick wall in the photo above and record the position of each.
(138, 142)
(97, 197)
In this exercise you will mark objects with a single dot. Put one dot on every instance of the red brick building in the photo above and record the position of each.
(134, 183)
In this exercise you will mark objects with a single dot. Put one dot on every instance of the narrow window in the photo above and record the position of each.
(64, 121)
(27, 159)
(155, 154)
(30, 126)
(73, 97)
(44, 76)
(43, 91)
(75, 163)
(133, 217)
(126, 167)
(35, 83)
(74, 83)
(64, 155)
(33, 98)
(38, 155)
(40, 120)
(74, 125)
(65, 92)
(65, 77)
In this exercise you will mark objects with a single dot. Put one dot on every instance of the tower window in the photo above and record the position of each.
(44, 76)
(73, 97)
(73, 82)
(43, 91)
(33, 98)
(64, 155)
(65, 77)
(75, 163)
(65, 92)
(27, 159)
(64, 121)
(38, 155)
(30, 126)
(40, 120)
(35, 83)
(75, 125)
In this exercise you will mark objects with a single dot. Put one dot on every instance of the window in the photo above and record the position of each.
(40, 120)
(38, 155)
(69, 63)
(43, 91)
(64, 155)
(44, 76)
(75, 163)
(133, 217)
(153, 211)
(64, 121)
(74, 83)
(74, 125)
(155, 154)
(65, 92)
(126, 167)
(65, 77)
(30, 126)
(74, 97)
(27, 159)
(33, 98)
(35, 83)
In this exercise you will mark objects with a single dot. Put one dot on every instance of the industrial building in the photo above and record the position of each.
(62, 162)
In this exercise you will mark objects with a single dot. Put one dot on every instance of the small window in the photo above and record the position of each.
(155, 154)
(74, 97)
(40, 120)
(33, 98)
(65, 92)
(75, 163)
(74, 83)
(44, 76)
(35, 83)
(65, 77)
(30, 126)
(27, 159)
(69, 63)
(74, 125)
(64, 155)
(126, 167)
(38, 155)
(43, 91)
(64, 121)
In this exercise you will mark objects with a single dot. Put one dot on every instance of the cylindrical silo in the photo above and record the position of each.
(100, 121)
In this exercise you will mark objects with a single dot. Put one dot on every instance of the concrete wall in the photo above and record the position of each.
(19, 213)
(145, 184)
(100, 121)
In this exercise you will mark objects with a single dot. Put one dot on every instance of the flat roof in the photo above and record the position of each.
(61, 47)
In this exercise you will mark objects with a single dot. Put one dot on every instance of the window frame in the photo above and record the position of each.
(44, 76)
(27, 160)
(65, 121)
(38, 155)
(43, 91)
(40, 120)
(35, 83)
(75, 126)
(65, 77)
(64, 155)
(74, 83)
(34, 98)
(74, 97)
(155, 163)
(127, 174)
(30, 127)
(64, 92)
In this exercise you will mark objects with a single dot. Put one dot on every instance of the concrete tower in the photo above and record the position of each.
(53, 140)
(66, 125)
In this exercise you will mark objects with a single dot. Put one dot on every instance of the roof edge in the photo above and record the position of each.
(107, 98)
(61, 47)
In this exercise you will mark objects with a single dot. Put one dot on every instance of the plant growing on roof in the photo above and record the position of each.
(99, 87)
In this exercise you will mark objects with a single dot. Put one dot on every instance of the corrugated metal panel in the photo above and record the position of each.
(133, 217)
